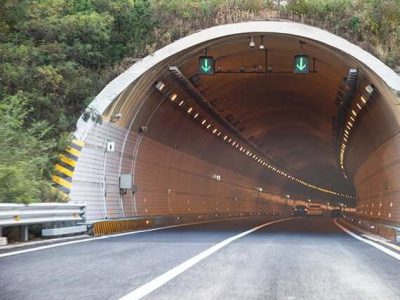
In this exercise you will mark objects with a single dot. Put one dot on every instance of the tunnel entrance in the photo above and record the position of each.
(244, 118)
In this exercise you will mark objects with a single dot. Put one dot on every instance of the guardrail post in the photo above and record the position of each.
(24, 233)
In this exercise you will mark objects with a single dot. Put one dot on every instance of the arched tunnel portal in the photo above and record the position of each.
(256, 136)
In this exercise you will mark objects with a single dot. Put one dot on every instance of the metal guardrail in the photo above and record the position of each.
(38, 213)
(20, 214)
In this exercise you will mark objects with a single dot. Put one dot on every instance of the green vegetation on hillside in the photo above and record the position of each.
(56, 55)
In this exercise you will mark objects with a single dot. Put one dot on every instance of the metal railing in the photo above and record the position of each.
(20, 214)
(39, 213)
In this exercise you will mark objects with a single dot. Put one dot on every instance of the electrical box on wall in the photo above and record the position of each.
(125, 181)
(125, 184)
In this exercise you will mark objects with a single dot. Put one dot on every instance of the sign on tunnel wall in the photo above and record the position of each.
(301, 63)
(206, 65)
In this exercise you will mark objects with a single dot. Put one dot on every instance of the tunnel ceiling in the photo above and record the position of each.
(287, 115)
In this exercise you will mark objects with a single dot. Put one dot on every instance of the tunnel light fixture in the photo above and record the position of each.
(160, 86)
(203, 122)
(369, 89)
(190, 110)
(214, 131)
(208, 126)
(357, 107)
(252, 44)
(219, 133)
(196, 115)
(180, 103)
(262, 47)
(225, 137)
(173, 97)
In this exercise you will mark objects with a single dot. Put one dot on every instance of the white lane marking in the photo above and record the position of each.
(109, 236)
(371, 243)
(157, 282)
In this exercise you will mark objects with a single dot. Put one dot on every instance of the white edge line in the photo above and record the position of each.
(159, 281)
(371, 236)
(381, 241)
(109, 236)
(371, 243)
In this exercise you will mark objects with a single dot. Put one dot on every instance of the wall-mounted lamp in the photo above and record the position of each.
(160, 86)
(262, 47)
(252, 44)
(217, 177)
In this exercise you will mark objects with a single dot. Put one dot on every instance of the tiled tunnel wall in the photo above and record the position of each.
(169, 180)
(378, 183)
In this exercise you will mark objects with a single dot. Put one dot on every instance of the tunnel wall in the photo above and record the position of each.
(170, 181)
(378, 183)
(374, 158)
(174, 162)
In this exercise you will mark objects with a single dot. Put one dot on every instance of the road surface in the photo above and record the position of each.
(301, 258)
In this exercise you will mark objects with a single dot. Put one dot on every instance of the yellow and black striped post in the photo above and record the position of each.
(64, 169)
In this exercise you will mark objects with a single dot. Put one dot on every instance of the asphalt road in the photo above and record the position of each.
(303, 258)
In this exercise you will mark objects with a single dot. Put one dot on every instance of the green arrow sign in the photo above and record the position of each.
(206, 65)
(301, 64)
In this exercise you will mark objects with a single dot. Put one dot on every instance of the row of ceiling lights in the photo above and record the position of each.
(351, 120)
(208, 125)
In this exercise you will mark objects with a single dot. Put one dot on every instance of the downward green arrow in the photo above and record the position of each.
(302, 66)
(206, 67)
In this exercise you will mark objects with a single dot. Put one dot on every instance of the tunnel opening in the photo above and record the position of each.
(255, 137)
